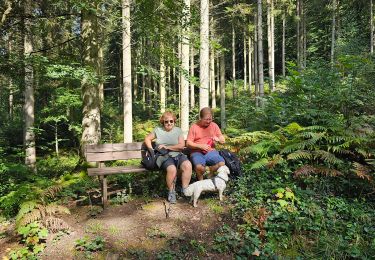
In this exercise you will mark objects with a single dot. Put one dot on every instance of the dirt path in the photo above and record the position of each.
(140, 230)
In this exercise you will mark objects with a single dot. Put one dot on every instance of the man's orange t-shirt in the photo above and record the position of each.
(201, 135)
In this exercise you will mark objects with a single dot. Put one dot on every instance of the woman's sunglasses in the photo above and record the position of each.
(168, 121)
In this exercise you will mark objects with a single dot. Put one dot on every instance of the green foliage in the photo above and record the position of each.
(279, 218)
(123, 196)
(90, 245)
(33, 237)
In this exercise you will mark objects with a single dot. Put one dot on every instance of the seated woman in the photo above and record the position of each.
(170, 137)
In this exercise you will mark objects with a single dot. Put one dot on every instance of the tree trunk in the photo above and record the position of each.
(212, 79)
(192, 87)
(222, 91)
(250, 62)
(234, 89)
(283, 46)
(270, 35)
(299, 35)
(127, 70)
(204, 62)
(162, 78)
(90, 90)
(11, 97)
(100, 72)
(256, 74)
(304, 36)
(29, 135)
(185, 67)
(333, 31)
(244, 61)
(260, 50)
(371, 28)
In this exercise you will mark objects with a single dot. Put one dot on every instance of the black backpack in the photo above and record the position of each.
(232, 162)
(148, 158)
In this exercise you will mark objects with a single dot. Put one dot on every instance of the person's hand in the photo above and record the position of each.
(162, 146)
(215, 139)
(205, 147)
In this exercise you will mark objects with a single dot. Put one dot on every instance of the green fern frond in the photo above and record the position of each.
(259, 164)
(339, 150)
(312, 135)
(293, 147)
(40, 212)
(29, 217)
(336, 139)
(300, 154)
(326, 157)
(25, 208)
(363, 152)
(293, 128)
(315, 128)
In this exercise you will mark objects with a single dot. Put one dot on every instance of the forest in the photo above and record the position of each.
(291, 84)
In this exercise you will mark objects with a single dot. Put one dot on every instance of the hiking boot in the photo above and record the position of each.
(172, 197)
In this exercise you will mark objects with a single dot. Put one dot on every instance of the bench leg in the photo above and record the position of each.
(103, 180)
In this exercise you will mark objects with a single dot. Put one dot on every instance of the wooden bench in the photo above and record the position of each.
(100, 153)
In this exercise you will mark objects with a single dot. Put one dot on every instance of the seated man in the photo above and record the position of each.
(201, 140)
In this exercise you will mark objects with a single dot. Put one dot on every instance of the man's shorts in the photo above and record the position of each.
(209, 159)
(176, 161)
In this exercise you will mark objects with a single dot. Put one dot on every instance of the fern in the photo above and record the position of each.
(307, 170)
(362, 171)
(55, 224)
(25, 208)
(327, 157)
(300, 154)
(40, 212)
(52, 191)
(259, 164)
(276, 159)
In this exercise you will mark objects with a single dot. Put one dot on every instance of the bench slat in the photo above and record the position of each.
(102, 148)
(114, 170)
(111, 156)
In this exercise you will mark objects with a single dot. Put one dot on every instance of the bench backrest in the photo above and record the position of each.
(111, 152)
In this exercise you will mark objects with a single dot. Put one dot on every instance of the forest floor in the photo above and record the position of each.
(139, 229)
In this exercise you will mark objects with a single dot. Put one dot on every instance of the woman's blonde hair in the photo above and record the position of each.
(165, 114)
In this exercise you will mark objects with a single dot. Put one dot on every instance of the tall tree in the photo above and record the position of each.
(185, 67)
(126, 72)
(11, 97)
(192, 87)
(260, 50)
(283, 44)
(90, 88)
(212, 78)
(250, 60)
(371, 28)
(222, 91)
(299, 34)
(29, 105)
(271, 44)
(234, 89)
(204, 61)
(333, 30)
(244, 60)
(162, 77)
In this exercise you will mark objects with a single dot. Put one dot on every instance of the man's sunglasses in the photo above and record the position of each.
(168, 121)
